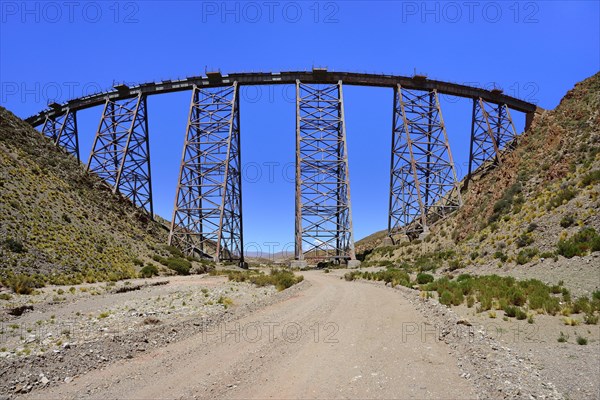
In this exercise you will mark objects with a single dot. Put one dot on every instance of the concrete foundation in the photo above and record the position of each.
(353, 263)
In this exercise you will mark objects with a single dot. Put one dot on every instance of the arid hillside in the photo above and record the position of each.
(59, 224)
(539, 206)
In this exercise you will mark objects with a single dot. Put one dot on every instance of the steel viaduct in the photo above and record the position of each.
(207, 215)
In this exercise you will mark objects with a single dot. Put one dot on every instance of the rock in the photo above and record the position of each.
(44, 381)
(463, 322)
(68, 379)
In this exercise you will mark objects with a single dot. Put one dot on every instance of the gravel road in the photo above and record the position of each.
(332, 340)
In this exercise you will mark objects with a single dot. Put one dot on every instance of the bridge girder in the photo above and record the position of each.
(207, 217)
(323, 206)
(423, 182)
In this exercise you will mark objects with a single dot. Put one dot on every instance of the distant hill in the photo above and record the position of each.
(59, 224)
(541, 202)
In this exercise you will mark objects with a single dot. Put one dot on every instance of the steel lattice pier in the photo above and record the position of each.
(492, 132)
(62, 130)
(121, 150)
(423, 183)
(207, 218)
(323, 208)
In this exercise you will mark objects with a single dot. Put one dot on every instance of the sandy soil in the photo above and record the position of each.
(331, 340)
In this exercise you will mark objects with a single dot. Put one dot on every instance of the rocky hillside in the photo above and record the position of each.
(541, 203)
(59, 224)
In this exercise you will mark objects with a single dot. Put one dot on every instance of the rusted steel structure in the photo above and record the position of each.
(207, 217)
(323, 208)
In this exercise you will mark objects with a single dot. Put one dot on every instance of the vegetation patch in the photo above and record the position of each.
(149, 271)
(562, 197)
(585, 241)
(512, 296)
(279, 278)
(390, 275)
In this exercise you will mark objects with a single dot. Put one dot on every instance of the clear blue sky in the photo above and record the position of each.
(58, 50)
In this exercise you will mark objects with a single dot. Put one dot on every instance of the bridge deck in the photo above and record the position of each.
(284, 78)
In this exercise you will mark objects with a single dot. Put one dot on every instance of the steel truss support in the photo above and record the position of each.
(323, 208)
(121, 150)
(207, 218)
(62, 130)
(423, 183)
(492, 132)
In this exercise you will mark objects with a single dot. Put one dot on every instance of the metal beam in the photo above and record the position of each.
(423, 182)
(323, 206)
(207, 217)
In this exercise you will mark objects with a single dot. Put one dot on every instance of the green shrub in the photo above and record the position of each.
(15, 245)
(505, 203)
(423, 278)
(500, 256)
(581, 341)
(590, 319)
(526, 255)
(532, 227)
(567, 220)
(580, 244)
(350, 276)
(524, 240)
(590, 178)
(521, 315)
(510, 311)
(281, 279)
(149, 271)
(446, 298)
(138, 262)
(562, 338)
(455, 264)
(179, 265)
(21, 284)
(175, 252)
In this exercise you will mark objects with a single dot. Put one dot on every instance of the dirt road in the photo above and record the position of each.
(335, 339)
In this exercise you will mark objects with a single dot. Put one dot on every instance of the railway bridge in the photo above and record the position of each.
(207, 214)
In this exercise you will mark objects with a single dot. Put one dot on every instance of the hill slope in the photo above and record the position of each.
(59, 224)
(541, 203)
